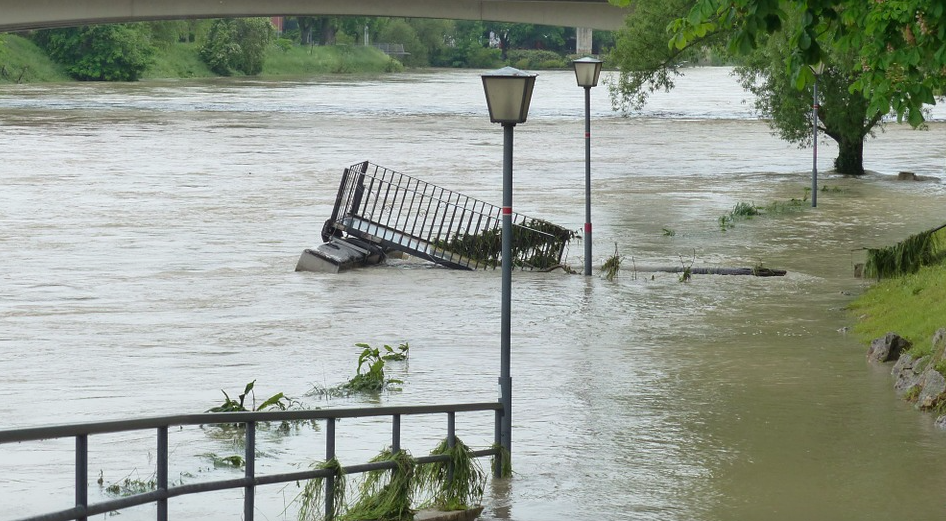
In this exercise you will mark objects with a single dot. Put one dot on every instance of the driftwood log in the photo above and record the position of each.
(758, 272)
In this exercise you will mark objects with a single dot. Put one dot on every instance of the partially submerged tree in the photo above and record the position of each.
(899, 45)
(648, 64)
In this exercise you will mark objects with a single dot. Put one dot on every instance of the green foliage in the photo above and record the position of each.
(22, 61)
(118, 52)
(644, 61)
(385, 495)
(277, 401)
(312, 498)
(369, 376)
(536, 59)
(503, 461)
(612, 265)
(536, 244)
(905, 257)
(669, 232)
(402, 353)
(237, 45)
(898, 48)
(234, 461)
(457, 484)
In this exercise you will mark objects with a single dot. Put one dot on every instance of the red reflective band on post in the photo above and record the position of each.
(587, 135)
(816, 106)
(587, 227)
(507, 210)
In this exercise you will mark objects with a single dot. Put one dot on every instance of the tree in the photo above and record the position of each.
(237, 45)
(843, 115)
(899, 45)
(118, 52)
(647, 64)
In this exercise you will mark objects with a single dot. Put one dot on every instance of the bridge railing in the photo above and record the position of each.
(439, 224)
(161, 425)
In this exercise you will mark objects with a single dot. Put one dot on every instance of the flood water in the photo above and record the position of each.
(149, 232)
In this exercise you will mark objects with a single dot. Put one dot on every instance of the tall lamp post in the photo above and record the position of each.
(508, 94)
(818, 70)
(587, 71)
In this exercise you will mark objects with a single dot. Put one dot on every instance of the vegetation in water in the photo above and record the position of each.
(402, 353)
(454, 485)
(276, 401)
(387, 494)
(129, 486)
(503, 461)
(536, 244)
(234, 461)
(669, 232)
(612, 265)
(312, 498)
(369, 376)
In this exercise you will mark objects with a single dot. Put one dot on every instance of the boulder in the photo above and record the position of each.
(887, 348)
(933, 387)
(906, 176)
(939, 344)
(906, 373)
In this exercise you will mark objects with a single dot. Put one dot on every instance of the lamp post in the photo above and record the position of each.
(818, 70)
(587, 71)
(508, 94)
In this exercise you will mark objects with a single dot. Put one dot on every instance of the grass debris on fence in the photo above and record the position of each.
(907, 256)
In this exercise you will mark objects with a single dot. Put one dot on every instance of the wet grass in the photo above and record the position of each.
(913, 306)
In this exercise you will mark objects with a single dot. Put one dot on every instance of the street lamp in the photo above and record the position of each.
(587, 71)
(818, 70)
(508, 94)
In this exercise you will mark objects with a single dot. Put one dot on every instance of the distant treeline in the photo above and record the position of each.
(224, 47)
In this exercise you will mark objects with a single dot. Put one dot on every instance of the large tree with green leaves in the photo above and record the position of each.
(237, 45)
(117, 52)
(899, 46)
(647, 64)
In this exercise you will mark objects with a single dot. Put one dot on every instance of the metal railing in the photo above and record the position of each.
(164, 491)
(402, 212)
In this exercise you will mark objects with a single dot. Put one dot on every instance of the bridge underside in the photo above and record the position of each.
(595, 14)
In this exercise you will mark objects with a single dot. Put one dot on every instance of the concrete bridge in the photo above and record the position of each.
(16, 15)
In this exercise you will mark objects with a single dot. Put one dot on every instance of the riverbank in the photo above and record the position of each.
(913, 306)
(22, 61)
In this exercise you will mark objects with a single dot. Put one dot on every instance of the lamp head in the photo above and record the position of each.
(508, 94)
(587, 71)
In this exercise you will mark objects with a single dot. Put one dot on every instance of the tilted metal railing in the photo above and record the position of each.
(164, 491)
(402, 212)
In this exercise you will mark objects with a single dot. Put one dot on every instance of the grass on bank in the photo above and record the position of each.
(21, 61)
(913, 305)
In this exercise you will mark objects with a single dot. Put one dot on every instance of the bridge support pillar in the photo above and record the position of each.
(583, 40)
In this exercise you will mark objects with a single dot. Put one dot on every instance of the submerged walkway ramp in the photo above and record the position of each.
(399, 212)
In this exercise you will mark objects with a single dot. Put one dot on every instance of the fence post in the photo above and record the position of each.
(162, 472)
(330, 481)
(82, 475)
(249, 493)
(395, 434)
(497, 443)
(451, 441)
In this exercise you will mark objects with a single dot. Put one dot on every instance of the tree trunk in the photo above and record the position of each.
(328, 32)
(850, 160)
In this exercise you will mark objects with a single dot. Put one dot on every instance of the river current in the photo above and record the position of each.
(149, 232)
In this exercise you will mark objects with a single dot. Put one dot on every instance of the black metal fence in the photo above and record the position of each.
(404, 213)
(164, 491)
